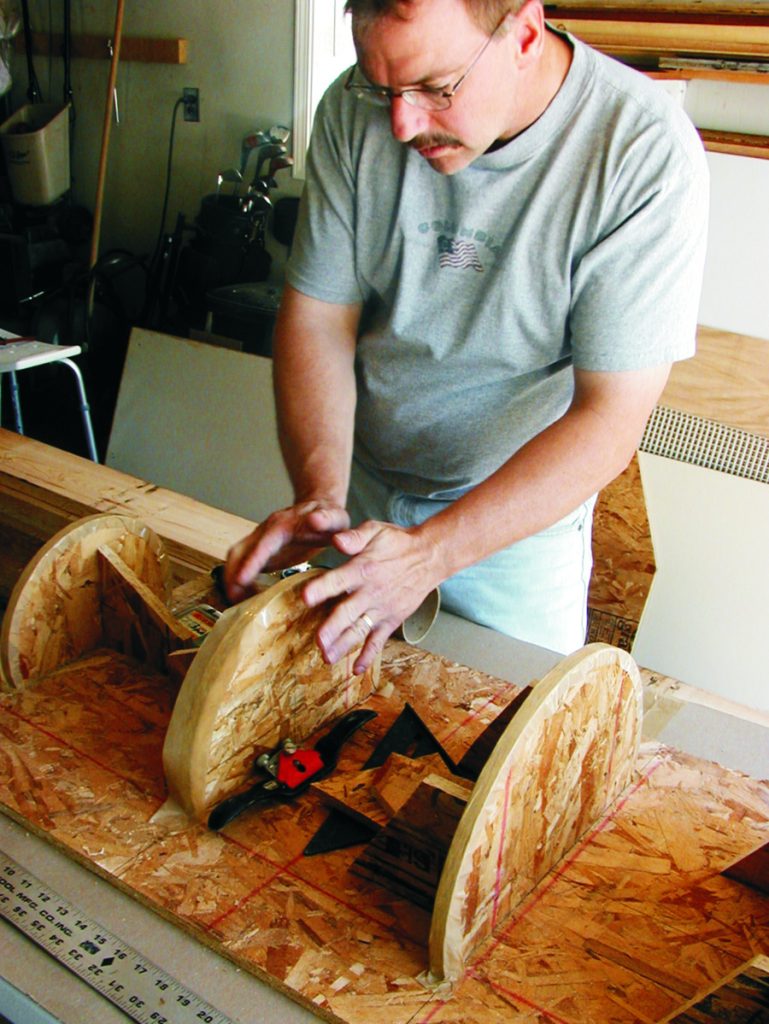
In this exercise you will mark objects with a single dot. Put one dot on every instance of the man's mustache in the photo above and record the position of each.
(430, 141)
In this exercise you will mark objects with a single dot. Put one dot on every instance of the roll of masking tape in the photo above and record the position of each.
(417, 625)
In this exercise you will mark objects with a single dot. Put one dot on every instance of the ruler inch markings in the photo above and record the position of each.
(144, 991)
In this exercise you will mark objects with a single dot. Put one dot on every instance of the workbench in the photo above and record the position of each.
(703, 726)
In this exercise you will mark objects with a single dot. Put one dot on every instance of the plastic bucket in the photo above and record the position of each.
(36, 148)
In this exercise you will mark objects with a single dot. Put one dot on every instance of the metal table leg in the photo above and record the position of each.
(16, 403)
(85, 409)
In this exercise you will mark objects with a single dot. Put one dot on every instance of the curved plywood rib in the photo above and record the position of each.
(567, 755)
(258, 678)
(54, 614)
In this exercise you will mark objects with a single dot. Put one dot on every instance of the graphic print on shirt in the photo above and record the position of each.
(463, 255)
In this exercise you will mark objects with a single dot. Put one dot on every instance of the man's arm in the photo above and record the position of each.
(314, 378)
(392, 569)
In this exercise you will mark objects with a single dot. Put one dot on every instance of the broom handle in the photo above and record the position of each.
(99, 204)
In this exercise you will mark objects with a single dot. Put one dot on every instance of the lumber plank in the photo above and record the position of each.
(146, 50)
(622, 36)
(737, 143)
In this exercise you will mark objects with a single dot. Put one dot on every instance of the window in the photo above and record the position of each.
(322, 50)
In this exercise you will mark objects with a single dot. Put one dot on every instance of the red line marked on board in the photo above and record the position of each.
(82, 753)
(522, 1000)
(432, 1009)
(254, 892)
(282, 869)
(556, 875)
(475, 714)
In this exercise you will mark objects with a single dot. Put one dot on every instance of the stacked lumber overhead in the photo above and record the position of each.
(622, 27)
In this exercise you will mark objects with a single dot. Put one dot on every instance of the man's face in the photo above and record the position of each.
(434, 47)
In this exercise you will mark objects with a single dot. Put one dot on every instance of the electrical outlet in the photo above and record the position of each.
(191, 101)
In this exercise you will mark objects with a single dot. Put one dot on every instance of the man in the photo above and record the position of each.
(498, 257)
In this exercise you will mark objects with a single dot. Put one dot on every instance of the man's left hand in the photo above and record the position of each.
(389, 573)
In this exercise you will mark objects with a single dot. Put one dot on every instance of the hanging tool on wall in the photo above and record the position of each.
(33, 88)
(69, 96)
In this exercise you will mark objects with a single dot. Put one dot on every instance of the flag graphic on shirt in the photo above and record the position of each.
(454, 252)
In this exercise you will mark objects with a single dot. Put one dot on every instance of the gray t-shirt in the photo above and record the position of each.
(579, 242)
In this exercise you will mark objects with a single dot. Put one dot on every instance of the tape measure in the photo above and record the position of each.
(140, 988)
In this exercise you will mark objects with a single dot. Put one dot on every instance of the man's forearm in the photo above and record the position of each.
(314, 377)
(550, 476)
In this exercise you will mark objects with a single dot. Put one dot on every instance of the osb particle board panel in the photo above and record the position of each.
(727, 380)
(631, 925)
(623, 561)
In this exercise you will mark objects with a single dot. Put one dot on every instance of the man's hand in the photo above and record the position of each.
(390, 572)
(285, 538)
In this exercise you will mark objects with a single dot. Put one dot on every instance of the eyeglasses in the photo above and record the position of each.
(419, 96)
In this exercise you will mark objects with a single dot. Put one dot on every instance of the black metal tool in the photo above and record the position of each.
(290, 770)
(407, 735)
(33, 87)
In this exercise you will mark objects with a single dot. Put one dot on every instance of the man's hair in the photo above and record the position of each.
(486, 13)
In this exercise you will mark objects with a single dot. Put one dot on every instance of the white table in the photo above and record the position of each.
(18, 354)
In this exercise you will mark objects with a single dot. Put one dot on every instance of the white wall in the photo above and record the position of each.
(241, 59)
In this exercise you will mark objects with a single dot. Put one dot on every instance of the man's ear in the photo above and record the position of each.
(529, 28)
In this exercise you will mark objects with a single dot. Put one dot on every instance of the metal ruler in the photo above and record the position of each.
(129, 980)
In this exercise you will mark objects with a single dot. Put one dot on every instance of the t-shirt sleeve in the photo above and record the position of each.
(636, 291)
(322, 262)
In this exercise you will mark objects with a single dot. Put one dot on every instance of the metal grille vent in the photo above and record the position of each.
(700, 442)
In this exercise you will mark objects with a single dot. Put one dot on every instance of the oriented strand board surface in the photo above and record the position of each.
(623, 561)
(54, 612)
(258, 679)
(562, 761)
(632, 924)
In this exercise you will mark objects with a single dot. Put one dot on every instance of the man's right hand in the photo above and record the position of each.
(287, 537)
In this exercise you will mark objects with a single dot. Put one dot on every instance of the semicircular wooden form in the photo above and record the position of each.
(564, 758)
(257, 679)
(54, 611)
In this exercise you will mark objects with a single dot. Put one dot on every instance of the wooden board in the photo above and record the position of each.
(741, 998)
(564, 758)
(631, 925)
(258, 679)
(624, 562)
(54, 612)
(42, 489)
(727, 381)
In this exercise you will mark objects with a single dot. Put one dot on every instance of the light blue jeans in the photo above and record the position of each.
(535, 590)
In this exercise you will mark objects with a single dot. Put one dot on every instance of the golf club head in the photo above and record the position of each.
(250, 141)
(280, 163)
(279, 133)
(269, 152)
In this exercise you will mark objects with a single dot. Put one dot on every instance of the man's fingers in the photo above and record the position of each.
(328, 521)
(345, 630)
(352, 542)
